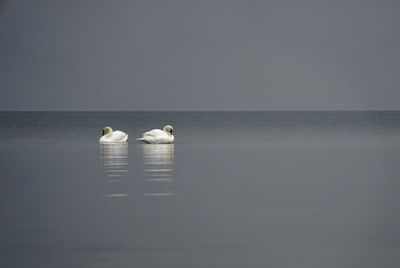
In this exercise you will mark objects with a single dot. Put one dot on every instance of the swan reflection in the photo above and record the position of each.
(114, 161)
(158, 167)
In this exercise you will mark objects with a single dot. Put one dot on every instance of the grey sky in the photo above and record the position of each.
(199, 55)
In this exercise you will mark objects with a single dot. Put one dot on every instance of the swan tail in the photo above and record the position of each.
(124, 139)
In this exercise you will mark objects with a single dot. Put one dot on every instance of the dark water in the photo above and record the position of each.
(237, 189)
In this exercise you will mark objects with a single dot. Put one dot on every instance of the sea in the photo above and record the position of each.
(236, 189)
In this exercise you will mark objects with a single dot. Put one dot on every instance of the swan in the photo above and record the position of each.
(159, 136)
(110, 136)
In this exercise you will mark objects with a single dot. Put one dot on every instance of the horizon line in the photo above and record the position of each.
(214, 110)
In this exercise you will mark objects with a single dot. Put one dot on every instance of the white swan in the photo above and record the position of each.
(159, 136)
(110, 136)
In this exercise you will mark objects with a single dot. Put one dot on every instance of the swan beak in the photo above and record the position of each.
(102, 132)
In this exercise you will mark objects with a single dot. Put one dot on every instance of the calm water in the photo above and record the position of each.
(237, 189)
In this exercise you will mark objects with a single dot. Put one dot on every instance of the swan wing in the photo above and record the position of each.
(154, 133)
(156, 136)
(116, 136)
(119, 136)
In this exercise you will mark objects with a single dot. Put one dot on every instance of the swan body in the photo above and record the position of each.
(110, 136)
(158, 136)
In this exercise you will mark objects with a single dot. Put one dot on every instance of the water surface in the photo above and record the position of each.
(257, 189)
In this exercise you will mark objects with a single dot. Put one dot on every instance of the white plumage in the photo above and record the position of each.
(110, 136)
(159, 136)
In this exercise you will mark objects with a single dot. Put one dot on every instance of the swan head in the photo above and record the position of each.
(169, 129)
(106, 131)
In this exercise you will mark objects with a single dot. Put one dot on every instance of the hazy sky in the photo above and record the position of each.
(199, 55)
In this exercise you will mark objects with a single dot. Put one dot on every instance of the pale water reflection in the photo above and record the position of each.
(114, 161)
(158, 168)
